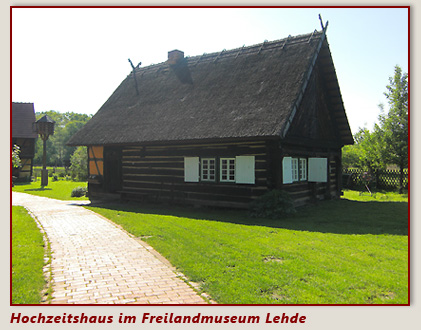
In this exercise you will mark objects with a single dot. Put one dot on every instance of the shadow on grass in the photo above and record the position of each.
(336, 216)
(38, 189)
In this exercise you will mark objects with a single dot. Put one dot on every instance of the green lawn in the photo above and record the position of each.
(55, 189)
(348, 251)
(28, 253)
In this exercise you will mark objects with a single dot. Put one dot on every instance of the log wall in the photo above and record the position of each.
(157, 172)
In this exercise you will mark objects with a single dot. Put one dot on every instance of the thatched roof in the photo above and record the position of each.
(239, 93)
(23, 116)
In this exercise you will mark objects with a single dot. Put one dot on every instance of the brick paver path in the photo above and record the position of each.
(96, 262)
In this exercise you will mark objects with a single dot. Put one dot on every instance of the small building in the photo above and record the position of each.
(223, 128)
(23, 135)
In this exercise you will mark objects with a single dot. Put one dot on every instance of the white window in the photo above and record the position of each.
(303, 169)
(227, 170)
(240, 169)
(294, 169)
(191, 169)
(208, 169)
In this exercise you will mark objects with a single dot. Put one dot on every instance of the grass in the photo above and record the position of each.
(348, 251)
(55, 189)
(28, 252)
(379, 196)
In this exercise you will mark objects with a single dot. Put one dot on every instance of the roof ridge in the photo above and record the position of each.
(296, 39)
(258, 48)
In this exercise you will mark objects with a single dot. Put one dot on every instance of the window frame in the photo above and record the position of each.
(302, 170)
(208, 170)
(295, 169)
(228, 174)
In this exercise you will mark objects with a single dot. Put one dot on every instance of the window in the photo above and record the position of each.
(240, 169)
(303, 169)
(294, 169)
(208, 169)
(227, 170)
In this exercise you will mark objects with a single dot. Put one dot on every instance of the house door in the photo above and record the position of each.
(112, 170)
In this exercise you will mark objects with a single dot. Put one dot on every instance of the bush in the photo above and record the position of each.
(79, 192)
(274, 204)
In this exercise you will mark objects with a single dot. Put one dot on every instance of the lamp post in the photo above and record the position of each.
(44, 127)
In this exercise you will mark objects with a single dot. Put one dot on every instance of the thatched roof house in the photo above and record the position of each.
(280, 96)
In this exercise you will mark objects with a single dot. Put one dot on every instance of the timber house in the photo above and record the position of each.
(223, 128)
(23, 135)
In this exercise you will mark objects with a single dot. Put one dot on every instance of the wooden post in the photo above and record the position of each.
(44, 174)
(45, 128)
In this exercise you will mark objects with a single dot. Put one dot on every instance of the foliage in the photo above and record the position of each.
(393, 126)
(336, 252)
(273, 204)
(79, 164)
(55, 189)
(60, 172)
(79, 192)
(15, 156)
(365, 153)
(67, 124)
(387, 144)
(28, 252)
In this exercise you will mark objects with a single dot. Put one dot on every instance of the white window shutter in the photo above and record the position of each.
(191, 169)
(287, 170)
(244, 169)
(317, 169)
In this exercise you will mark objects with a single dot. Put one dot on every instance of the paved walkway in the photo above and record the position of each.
(96, 262)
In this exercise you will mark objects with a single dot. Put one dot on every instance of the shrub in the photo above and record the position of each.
(274, 204)
(15, 156)
(79, 192)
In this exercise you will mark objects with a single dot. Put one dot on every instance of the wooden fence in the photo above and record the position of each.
(380, 179)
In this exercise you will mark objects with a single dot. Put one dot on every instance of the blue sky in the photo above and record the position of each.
(73, 59)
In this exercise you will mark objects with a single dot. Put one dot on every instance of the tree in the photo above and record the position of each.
(58, 153)
(387, 144)
(365, 153)
(393, 127)
(79, 164)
